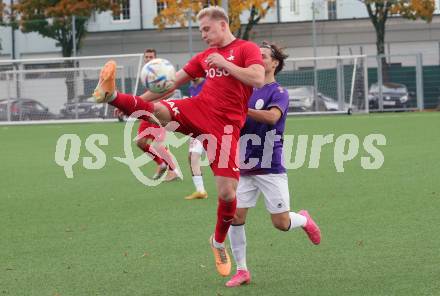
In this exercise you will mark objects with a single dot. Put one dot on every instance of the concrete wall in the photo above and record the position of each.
(27, 45)
(333, 37)
(295, 30)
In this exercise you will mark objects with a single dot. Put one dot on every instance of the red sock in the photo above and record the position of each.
(225, 214)
(131, 103)
(166, 156)
(154, 155)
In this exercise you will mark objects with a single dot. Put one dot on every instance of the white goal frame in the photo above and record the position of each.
(19, 73)
(358, 60)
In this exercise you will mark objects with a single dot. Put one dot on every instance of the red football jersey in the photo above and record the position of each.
(223, 93)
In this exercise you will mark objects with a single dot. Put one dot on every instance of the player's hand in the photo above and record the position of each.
(217, 60)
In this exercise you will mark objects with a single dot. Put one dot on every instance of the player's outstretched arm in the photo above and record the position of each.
(181, 78)
(270, 116)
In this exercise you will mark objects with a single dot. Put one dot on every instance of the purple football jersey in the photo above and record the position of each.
(195, 90)
(261, 145)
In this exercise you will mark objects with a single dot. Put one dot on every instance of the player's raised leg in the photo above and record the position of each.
(105, 91)
(275, 190)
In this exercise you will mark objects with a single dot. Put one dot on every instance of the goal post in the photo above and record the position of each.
(60, 89)
(326, 85)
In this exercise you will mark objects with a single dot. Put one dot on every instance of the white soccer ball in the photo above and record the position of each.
(158, 75)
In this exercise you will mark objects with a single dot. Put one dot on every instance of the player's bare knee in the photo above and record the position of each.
(226, 194)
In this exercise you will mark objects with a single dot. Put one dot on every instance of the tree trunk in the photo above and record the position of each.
(380, 46)
(378, 14)
(67, 48)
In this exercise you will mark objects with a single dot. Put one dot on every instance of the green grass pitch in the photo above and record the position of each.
(104, 233)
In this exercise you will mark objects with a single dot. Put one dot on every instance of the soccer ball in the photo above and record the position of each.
(158, 75)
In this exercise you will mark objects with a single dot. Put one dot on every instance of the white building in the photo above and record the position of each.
(138, 15)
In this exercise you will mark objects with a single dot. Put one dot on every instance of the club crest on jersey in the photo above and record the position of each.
(231, 57)
(259, 104)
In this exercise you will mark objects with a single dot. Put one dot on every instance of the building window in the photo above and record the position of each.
(294, 6)
(331, 7)
(124, 11)
(161, 5)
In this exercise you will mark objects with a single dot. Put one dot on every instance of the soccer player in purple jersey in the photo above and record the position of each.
(261, 167)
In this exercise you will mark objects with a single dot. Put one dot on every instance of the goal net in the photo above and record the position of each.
(325, 85)
(58, 89)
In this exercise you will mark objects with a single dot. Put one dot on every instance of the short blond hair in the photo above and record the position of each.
(213, 12)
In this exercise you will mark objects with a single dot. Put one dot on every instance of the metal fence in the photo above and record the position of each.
(326, 85)
(395, 83)
(60, 88)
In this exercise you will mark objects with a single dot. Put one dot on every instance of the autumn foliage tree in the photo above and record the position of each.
(2, 18)
(53, 19)
(176, 12)
(2, 12)
(380, 10)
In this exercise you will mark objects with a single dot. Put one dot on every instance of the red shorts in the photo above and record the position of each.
(218, 135)
(151, 131)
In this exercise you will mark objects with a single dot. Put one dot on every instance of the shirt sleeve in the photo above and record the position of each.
(252, 54)
(194, 67)
(280, 99)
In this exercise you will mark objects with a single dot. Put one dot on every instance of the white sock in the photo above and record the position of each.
(218, 245)
(198, 183)
(297, 220)
(178, 173)
(237, 238)
(114, 95)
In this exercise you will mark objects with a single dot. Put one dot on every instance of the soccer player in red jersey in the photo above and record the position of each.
(231, 67)
(158, 152)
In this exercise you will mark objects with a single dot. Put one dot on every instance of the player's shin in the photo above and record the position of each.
(165, 155)
(237, 239)
(131, 103)
(154, 154)
(225, 215)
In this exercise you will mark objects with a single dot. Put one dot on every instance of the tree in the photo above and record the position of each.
(53, 19)
(2, 21)
(177, 12)
(2, 13)
(380, 10)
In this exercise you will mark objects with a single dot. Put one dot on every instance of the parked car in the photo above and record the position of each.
(395, 95)
(301, 99)
(24, 109)
(84, 110)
